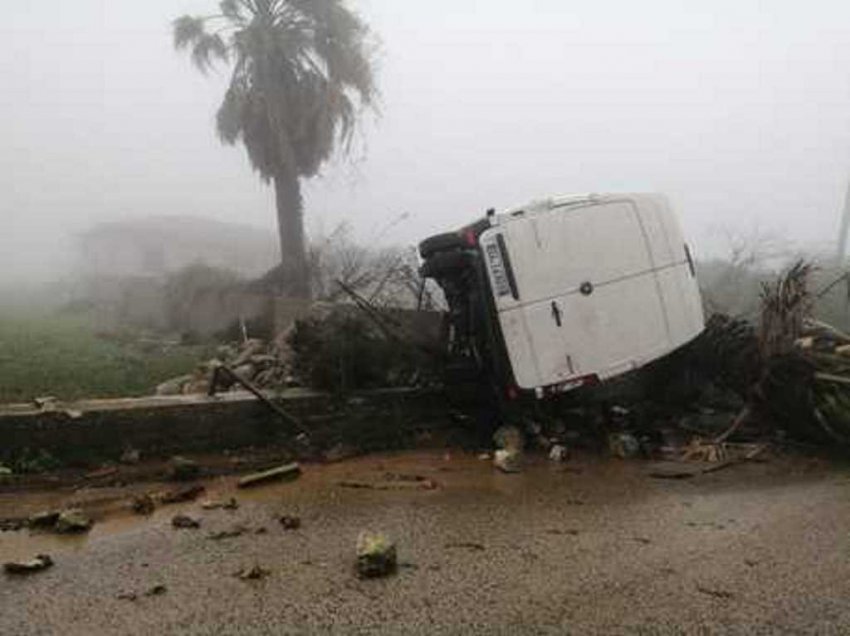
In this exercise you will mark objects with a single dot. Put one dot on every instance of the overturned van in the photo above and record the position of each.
(565, 292)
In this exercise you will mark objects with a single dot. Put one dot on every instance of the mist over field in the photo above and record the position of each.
(737, 110)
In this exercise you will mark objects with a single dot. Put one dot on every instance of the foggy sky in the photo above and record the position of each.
(739, 110)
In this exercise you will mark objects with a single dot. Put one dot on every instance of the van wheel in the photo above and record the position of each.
(443, 264)
(441, 243)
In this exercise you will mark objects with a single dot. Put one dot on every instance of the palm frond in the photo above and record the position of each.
(187, 31)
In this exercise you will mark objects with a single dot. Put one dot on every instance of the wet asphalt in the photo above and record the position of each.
(591, 546)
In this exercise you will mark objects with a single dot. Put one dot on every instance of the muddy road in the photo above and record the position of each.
(588, 546)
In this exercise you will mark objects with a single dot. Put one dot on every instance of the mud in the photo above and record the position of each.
(590, 546)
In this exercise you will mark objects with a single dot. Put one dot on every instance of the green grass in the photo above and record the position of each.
(60, 355)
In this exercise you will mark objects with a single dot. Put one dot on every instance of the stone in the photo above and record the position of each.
(376, 555)
(230, 504)
(253, 573)
(183, 469)
(143, 505)
(507, 461)
(559, 453)
(623, 445)
(185, 522)
(73, 521)
(174, 386)
(46, 519)
(39, 563)
(290, 522)
(131, 456)
(509, 438)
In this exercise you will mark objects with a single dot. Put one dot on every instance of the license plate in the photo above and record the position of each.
(497, 270)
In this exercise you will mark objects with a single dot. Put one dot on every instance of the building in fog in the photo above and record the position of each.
(157, 245)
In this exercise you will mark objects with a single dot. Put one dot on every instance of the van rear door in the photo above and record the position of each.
(581, 296)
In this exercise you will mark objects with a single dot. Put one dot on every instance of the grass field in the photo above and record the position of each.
(60, 355)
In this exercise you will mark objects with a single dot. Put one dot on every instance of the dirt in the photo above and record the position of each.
(756, 548)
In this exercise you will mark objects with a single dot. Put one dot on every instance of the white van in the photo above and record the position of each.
(566, 291)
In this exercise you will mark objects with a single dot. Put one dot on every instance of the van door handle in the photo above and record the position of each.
(556, 313)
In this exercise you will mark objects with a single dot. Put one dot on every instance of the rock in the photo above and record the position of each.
(508, 461)
(143, 505)
(189, 493)
(559, 453)
(287, 471)
(230, 504)
(290, 522)
(73, 521)
(253, 573)
(376, 555)
(235, 531)
(623, 445)
(174, 386)
(185, 521)
(45, 519)
(183, 469)
(156, 590)
(131, 456)
(39, 563)
(509, 438)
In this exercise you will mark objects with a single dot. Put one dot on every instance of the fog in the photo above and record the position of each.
(739, 110)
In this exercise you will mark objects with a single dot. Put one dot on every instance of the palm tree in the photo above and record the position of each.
(301, 73)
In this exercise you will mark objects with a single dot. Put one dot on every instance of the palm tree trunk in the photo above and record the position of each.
(295, 275)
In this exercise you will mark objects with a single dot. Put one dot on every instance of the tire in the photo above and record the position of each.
(442, 264)
(441, 243)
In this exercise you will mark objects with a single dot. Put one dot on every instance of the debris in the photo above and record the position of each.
(290, 522)
(559, 453)
(509, 438)
(73, 521)
(127, 596)
(721, 594)
(185, 521)
(183, 469)
(143, 505)
(469, 545)
(508, 461)
(45, 519)
(131, 456)
(339, 452)
(73, 414)
(376, 555)
(174, 386)
(230, 504)
(189, 493)
(157, 590)
(105, 471)
(45, 403)
(235, 531)
(287, 471)
(12, 524)
(252, 574)
(623, 445)
(485, 457)
(39, 563)
(4, 472)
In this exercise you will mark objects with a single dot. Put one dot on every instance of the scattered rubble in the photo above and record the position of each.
(508, 461)
(143, 505)
(559, 453)
(185, 522)
(39, 563)
(12, 524)
(230, 504)
(623, 445)
(189, 493)
(231, 533)
(376, 555)
(287, 471)
(73, 521)
(45, 519)
(290, 522)
(253, 573)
